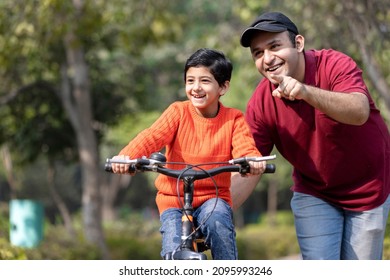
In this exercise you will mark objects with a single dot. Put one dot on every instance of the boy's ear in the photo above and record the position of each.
(224, 88)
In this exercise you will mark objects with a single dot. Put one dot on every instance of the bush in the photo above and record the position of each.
(55, 246)
(8, 252)
(134, 248)
(266, 243)
(272, 238)
(135, 236)
(58, 245)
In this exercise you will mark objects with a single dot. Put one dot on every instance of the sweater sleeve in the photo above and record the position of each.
(154, 138)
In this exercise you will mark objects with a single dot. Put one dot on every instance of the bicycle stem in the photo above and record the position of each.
(187, 219)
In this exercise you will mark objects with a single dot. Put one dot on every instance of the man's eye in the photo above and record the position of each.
(258, 54)
(275, 46)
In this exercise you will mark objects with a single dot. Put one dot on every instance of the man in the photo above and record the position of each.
(315, 108)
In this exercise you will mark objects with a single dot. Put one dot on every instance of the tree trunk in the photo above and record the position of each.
(64, 212)
(9, 173)
(110, 191)
(361, 26)
(77, 102)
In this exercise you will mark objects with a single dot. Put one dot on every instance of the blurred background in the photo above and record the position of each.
(80, 78)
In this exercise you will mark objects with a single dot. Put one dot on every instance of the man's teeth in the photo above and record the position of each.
(273, 68)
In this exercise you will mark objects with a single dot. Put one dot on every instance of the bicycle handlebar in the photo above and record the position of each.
(147, 164)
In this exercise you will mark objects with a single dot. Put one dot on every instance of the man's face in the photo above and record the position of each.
(274, 53)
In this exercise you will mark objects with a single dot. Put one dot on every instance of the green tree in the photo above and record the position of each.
(103, 70)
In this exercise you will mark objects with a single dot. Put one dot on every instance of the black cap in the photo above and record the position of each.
(270, 22)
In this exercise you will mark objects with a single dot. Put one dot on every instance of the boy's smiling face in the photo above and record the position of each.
(203, 91)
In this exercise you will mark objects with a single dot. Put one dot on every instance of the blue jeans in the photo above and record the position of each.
(326, 232)
(218, 230)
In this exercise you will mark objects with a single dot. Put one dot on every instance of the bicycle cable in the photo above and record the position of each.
(181, 203)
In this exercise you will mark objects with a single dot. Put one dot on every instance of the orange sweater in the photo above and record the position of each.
(193, 139)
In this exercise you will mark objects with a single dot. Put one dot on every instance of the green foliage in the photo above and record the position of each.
(134, 248)
(36, 125)
(386, 248)
(281, 219)
(266, 243)
(8, 252)
(57, 245)
(386, 243)
(135, 51)
(54, 247)
(137, 237)
(134, 237)
(129, 127)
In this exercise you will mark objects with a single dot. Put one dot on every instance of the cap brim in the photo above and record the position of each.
(248, 33)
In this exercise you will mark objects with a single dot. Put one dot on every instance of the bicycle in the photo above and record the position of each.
(193, 245)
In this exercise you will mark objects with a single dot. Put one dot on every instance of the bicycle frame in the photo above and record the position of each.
(188, 249)
(189, 246)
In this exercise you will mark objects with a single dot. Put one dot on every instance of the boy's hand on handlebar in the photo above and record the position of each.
(257, 167)
(121, 168)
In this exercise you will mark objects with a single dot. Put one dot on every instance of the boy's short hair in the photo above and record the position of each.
(216, 61)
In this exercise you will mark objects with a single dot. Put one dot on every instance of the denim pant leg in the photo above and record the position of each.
(218, 229)
(364, 233)
(328, 232)
(319, 227)
(170, 230)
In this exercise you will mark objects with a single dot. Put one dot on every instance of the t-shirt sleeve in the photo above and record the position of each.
(343, 74)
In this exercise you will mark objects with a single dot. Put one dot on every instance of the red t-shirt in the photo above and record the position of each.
(346, 165)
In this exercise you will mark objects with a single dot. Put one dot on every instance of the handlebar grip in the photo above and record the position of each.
(270, 168)
(108, 168)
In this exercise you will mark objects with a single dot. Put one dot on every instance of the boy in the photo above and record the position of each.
(198, 130)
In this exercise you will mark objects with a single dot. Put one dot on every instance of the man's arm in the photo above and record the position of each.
(242, 187)
(348, 108)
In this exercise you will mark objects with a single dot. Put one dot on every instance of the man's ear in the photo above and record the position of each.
(299, 42)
